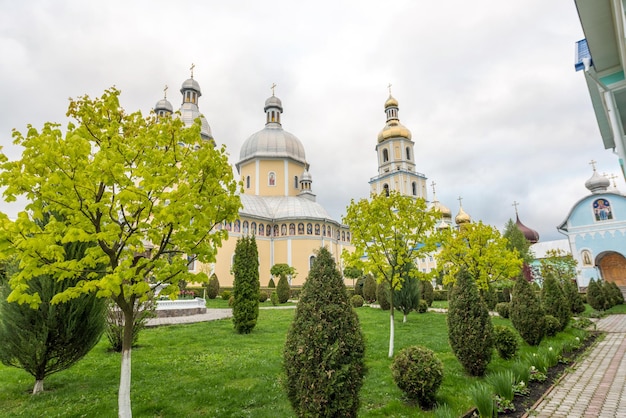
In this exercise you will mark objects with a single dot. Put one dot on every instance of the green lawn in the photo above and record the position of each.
(207, 370)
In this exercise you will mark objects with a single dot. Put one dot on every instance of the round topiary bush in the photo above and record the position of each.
(418, 373)
(506, 341)
(503, 309)
(422, 306)
(552, 324)
(262, 296)
(357, 301)
(226, 295)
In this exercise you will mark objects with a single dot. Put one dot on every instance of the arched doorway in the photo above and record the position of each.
(613, 268)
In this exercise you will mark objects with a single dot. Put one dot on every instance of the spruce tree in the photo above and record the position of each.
(283, 289)
(408, 297)
(554, 303)
(52, 337)
(324, 351)
(526, 312)
(246, 286)
(576, 304)
(470, 330)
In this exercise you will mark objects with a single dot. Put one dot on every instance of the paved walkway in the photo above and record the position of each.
(597, 385)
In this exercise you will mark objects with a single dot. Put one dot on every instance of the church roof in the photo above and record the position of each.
(282, 207)
(531, 235)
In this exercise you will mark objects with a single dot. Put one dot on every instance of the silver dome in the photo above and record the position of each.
(273, 102)
(272, 141)
(191, 84)
(164, 104)
(277, 208)
(597, 183)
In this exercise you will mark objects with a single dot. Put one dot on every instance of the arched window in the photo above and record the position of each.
(261, 229)
(295, 182)
(309, 229)
(408, 153)
(317, 229)
(245, 227)
(385, 155)
(271, 179)
(283, 229)
(414, 188)
(311, 261)
(386, 189)
(300, 229)
(292, 229)
(247, 182)
(253, 228)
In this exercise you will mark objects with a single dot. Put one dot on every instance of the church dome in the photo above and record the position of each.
(462, 217)
(393, 128)
(163, 105)
(444, 210)
(597, 183)
(191, 84)
(272, 141)
(531, 235)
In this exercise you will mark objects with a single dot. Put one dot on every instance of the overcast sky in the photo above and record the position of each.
(487, 88)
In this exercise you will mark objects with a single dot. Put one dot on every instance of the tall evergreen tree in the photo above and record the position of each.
(526, 312)
(575, 300)
(53, 336)
(324, 351)
(470, 330)
(595, 296)
(283, 289)
(516, 240)
(553, 301)
(246, 286)
(408, 297)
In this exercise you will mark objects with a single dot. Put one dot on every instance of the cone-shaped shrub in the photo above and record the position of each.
(595, 297)
(383, 295)
(324, 351)
(526, 312)
(213, 287)
(246, 286)
(554, 303)
(427, 292)
(470, 330)
(369, 289)
(271, 284)
(616, 294)
(283, 289)
(576, 304)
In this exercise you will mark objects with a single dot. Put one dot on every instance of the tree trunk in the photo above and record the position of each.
(404, 320)
(123, 396)
(391, 330)
(38, 388)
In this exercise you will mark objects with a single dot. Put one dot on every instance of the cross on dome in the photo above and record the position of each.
(516, 205)
(273, 87)
(192, 67)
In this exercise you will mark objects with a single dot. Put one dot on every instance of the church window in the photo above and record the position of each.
(229, 226)
(253, 228)
(272, 178)
(292, 229)
(323, 230)
(268, 230)
(295, 182)
(275, 230)
(343, 235)
(317, 229)
(191, 261)
(408, 153)
(385, 155)
(300, 229)
(348, 236)
(237, 225)
(309, 229)
(247, 182)
(386, 189)
(245, 227)
(261, 229)
(283, 229)
(329, 232)
(414, 188)
(602, 210)
(311, 261)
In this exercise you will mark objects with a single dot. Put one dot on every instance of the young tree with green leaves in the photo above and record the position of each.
(144, 193)
(559, 264)
(482, 251)
(246, 286)
(324, 356)
(390, 231)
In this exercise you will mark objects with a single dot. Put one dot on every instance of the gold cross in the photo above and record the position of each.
(389, 87)
(433, 184)
(192, 67)
(460, 201)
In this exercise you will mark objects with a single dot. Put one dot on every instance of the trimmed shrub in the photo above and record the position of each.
(554, 303)
(427, 292)
(274, 298)
(503, 309)
(262, 296)
(324, 351)
(505, 341)
(271, 284)
(231, 300)
(470, 330)
(490, 297)
(283, 289)
(358, 287)
(552, 325)
(526, 312)
(418, 372)
(441, 295)
(212, 287)
(369, 289)
(574, 298)
(226, 295)
(422, 306)
(616, 294)
(595, 296)
(382, 296)
(357, 301)
(294, 293)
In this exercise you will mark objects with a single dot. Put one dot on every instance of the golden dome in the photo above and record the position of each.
(391, 102)
(462, 217)
(394, 129)
(445, 211)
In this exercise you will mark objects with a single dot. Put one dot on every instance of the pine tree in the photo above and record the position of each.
(324, 351)
(526, 312)
(408, 297)
(52, 337)
(554, 303)
(246, 286)
(283, 289)
(470, 330)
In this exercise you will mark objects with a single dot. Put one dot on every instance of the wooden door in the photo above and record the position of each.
(613, 268)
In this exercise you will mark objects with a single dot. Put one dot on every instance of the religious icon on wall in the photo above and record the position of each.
(602, 210)
(586, 256)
